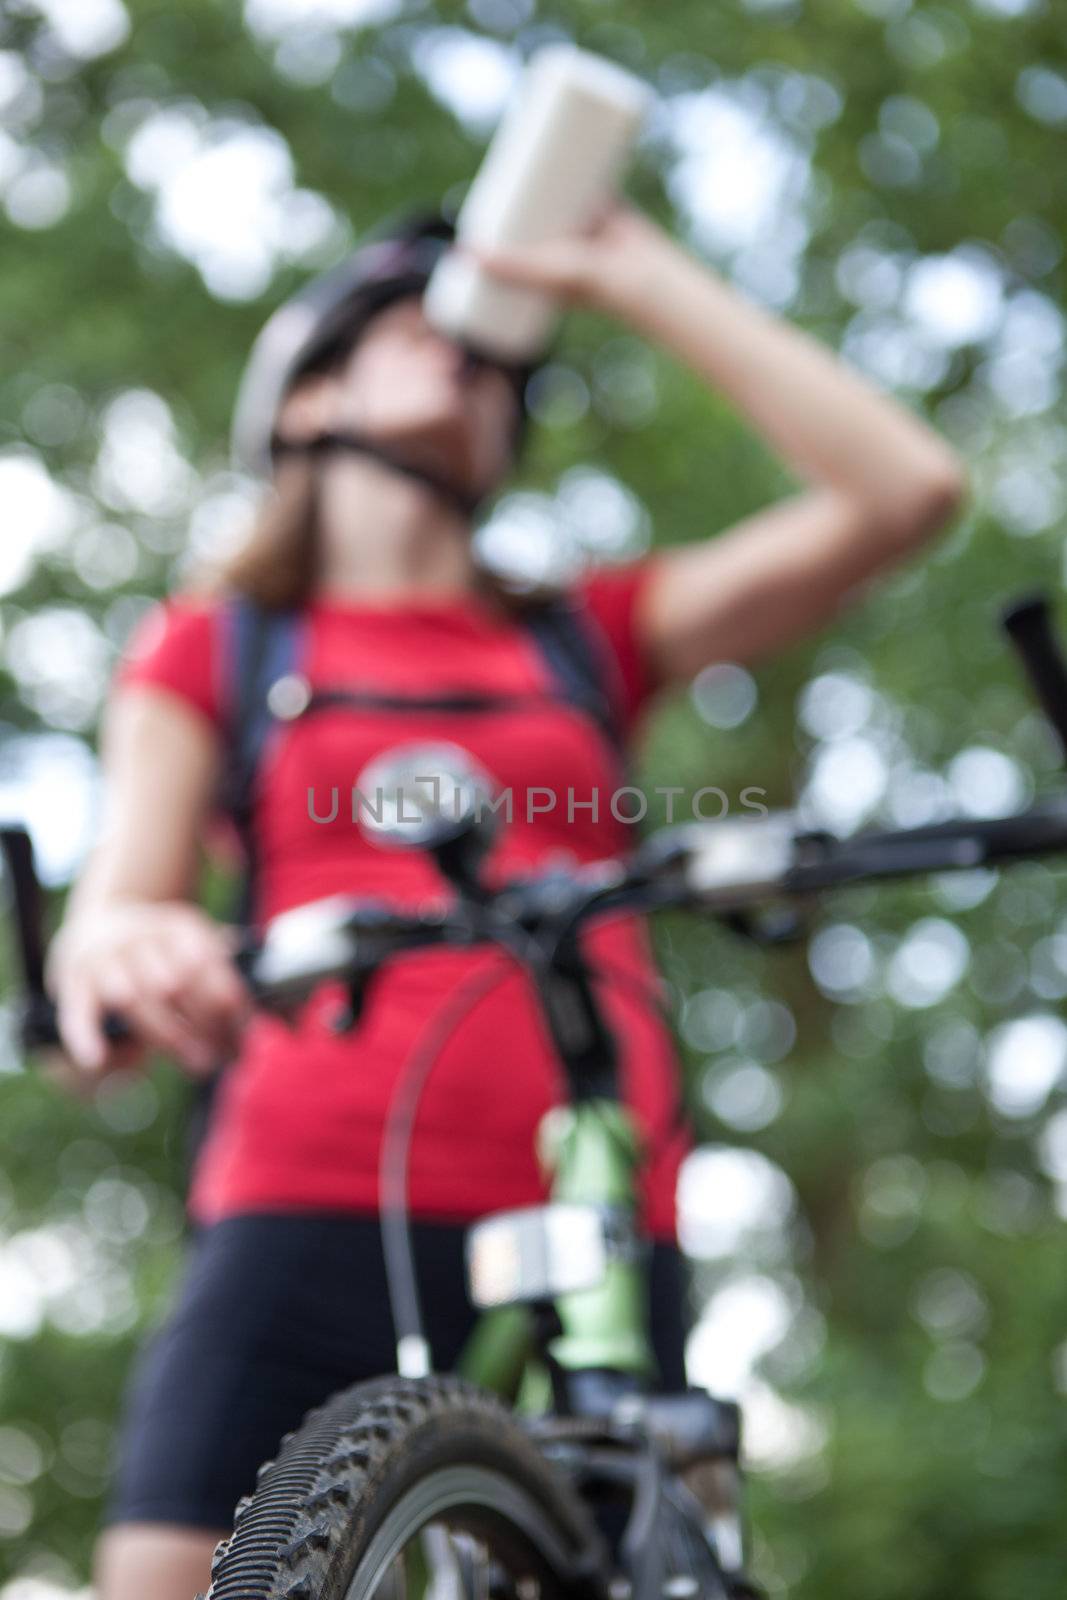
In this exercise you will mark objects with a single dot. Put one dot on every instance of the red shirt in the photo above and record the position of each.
(300, 1113)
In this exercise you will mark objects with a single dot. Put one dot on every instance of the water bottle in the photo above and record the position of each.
(553, 160)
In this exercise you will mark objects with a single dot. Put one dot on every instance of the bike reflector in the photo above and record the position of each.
(535, 1253)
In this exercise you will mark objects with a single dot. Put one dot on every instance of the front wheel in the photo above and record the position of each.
(409, 1489)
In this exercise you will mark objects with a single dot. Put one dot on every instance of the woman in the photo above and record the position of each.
(385, 439)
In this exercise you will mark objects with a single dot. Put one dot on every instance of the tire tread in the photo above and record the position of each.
(315, 1496)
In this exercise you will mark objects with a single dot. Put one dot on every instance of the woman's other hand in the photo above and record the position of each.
(603, 267)
(165, 968)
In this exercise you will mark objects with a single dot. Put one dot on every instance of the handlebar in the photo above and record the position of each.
(722, 868)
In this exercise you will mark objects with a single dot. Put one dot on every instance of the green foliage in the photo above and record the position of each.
(925, 1451)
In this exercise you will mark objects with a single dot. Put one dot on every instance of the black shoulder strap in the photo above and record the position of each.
(259, 646)
(256, 648)
(579, 661)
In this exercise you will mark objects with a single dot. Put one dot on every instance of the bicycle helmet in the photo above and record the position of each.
(322, 322)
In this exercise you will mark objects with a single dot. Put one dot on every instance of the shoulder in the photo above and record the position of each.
(175, 646)
(177, 621)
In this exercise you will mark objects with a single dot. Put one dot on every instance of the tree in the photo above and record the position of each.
(884, 174)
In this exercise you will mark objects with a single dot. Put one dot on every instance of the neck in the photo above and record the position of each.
(384, 535)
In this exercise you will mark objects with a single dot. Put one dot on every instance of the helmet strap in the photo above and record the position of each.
(346, 442)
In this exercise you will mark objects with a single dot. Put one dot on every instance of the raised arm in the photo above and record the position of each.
(880, 482)
(131, 941)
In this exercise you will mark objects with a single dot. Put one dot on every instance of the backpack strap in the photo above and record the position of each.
(259, 646)
(579, 661)
(255, 648)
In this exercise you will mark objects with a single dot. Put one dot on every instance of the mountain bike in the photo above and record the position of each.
(552, 1466)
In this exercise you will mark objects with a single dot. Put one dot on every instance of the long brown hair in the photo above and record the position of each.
(278, 564)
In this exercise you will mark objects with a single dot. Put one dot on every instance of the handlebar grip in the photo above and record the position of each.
(39, 1025)
(1028, 624)
(17, 849)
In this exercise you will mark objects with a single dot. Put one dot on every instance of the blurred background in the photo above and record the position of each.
(876, 1211)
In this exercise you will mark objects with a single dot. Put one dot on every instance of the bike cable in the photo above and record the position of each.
(414, 1357)
(412, 1346)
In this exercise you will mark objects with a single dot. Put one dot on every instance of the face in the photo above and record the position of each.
(407, 385)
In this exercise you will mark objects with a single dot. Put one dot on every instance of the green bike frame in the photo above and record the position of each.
(590, 1151)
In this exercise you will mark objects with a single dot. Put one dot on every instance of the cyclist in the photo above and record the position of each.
(386, 435)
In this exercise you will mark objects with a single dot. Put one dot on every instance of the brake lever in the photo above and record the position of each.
(350, 1012)
(1029, 625)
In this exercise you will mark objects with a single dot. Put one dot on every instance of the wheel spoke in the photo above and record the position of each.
(473, 1558)
(444, 1571)
(454, 1565)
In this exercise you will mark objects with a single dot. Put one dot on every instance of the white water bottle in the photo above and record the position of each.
(553, 159)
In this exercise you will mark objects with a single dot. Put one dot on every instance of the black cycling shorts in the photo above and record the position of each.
(274, 1313)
